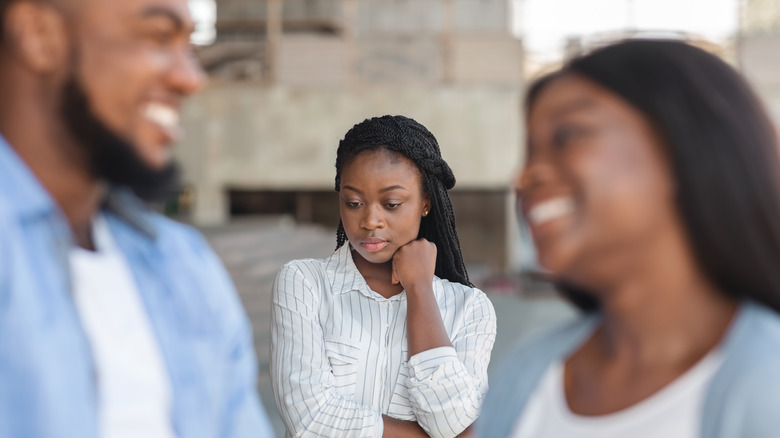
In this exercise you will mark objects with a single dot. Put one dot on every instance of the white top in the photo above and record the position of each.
(672, 412)
(133, 387)
(339, 354)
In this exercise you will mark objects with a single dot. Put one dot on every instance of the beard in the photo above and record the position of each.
(110, 157)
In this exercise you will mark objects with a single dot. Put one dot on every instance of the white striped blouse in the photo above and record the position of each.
(339, 354)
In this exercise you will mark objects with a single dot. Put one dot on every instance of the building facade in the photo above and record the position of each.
(288, 78)
(758, 49)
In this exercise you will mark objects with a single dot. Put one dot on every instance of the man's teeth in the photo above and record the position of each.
(162, 115)
(550, 210)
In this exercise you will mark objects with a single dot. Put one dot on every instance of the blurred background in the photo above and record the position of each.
(288, 78)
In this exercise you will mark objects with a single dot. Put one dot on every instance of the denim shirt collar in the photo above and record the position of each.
(26, 197)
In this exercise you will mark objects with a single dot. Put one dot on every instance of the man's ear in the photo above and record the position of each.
(36, 35)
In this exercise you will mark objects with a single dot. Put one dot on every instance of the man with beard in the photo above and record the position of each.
(114, 321)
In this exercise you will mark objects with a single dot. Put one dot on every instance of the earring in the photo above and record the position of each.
(425, 213)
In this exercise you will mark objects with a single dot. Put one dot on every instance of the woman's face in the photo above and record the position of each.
(596, 188)
(381, 202)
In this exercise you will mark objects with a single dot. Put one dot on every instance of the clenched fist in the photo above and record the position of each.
(414, 264)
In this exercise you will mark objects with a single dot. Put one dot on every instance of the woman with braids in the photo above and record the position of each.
(387, 337)
(652, 188)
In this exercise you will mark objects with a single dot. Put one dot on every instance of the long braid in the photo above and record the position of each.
(411, 139)
(341, 235)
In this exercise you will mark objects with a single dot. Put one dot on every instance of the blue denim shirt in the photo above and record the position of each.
(48, 385)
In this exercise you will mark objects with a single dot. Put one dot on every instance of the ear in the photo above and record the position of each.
(426, 205)
(37, 35)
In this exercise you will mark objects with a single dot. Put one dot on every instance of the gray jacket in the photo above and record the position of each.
(743, 399)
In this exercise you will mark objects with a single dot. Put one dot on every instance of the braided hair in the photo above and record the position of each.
(407, 137)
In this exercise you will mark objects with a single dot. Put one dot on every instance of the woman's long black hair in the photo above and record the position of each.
(723, 152)
(407, 137)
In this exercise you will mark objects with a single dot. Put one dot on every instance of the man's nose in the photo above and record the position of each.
(186, 73)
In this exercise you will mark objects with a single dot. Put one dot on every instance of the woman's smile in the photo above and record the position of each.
(540, 212)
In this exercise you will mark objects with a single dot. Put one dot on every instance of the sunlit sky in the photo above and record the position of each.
(545, 25)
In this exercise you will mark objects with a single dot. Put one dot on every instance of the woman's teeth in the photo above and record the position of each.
(550, 210)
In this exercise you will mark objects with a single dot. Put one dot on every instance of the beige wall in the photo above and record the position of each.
(759, 16)
(416, 17)
(283, 95)
(246, 136)
(759, 61)
(327, 61)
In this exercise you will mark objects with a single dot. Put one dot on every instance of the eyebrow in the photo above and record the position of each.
(176, 18)
(579, 104)
(386, 189)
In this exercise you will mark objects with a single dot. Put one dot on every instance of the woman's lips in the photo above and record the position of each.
(373, 245)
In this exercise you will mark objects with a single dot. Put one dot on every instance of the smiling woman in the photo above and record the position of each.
(386, 337)
(652, 183)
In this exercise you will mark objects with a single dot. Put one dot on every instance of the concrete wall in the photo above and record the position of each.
(312, 61)
(267, 128)
(488, 59)
(245, 136)
(416, 17)
(760, 16)
(488, 16)
(759, 61)
(291, 9)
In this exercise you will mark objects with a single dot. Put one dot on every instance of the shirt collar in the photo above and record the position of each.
(344, 276)
(23, 193)
(123, 203)
(26, 197)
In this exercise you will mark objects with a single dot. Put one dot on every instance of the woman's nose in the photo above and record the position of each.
(372, 219)
(536, 172)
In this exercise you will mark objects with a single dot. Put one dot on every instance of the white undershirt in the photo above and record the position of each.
(672, 412)
(133, 387)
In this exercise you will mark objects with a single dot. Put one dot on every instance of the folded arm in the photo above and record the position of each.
(447, 383)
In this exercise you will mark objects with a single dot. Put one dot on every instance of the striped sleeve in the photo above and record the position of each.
(301, 375)
(447, 384)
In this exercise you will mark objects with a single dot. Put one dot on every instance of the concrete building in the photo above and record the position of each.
(758, 48)
(288, 78)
